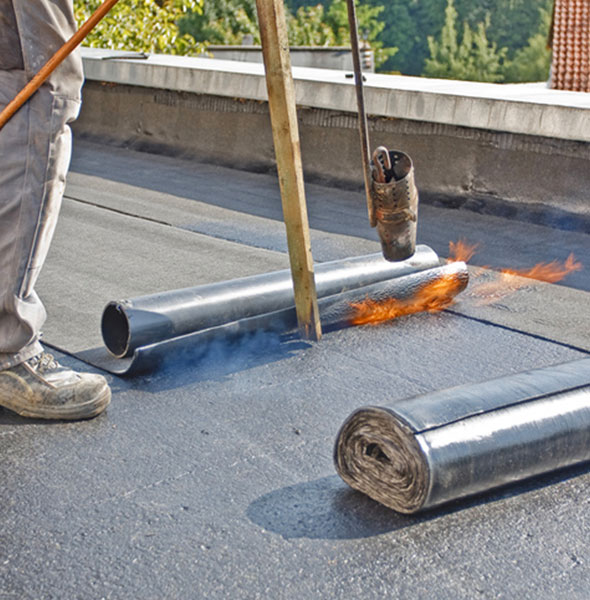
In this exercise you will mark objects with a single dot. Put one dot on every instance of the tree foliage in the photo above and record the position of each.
(293, 5)
(496, 40)
(512, 22)
(472, 58)
(222, 22)
(334, 22)
(409, 23)
(532, 62)
(141, 25)
(229, 21)
(406, 27)
(309, 26)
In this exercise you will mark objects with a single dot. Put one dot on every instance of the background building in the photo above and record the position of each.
(570, 69)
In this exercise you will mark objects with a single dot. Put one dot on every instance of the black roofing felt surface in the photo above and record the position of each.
(214, 478)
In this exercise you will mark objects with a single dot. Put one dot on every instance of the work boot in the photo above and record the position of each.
(41, 388)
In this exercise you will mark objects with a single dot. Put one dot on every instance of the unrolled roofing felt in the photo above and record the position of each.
(116, 260)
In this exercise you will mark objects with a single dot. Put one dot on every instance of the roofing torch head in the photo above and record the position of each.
(394, 198)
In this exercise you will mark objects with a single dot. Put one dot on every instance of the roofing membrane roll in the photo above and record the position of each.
(131, 324)
(425, 451)
(336, 310)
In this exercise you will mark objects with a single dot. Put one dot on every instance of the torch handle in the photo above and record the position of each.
(47, 69)
(362, 113)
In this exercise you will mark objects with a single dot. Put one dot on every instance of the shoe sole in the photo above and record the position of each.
(89, 409)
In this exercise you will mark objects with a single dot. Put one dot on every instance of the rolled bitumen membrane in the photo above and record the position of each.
(425, 451)
(189, 329)
(131, 324)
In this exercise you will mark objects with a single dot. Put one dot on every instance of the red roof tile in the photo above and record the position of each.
(570, 69)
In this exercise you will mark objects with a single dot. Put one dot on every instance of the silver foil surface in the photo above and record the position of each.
(138, 322)
(428, 450)
(199, 323)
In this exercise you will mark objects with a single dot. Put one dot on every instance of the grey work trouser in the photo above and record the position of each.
(35, 148)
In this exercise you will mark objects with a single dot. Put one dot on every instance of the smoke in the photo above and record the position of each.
(219, 357)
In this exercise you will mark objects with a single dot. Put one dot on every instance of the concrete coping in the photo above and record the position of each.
(530, 109)
(254, 48)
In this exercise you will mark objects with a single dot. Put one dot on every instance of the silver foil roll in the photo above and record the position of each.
(425, 451)
(402, 295)
(133, 323)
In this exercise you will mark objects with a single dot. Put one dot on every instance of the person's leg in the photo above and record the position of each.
(35, 150)
(34, 158)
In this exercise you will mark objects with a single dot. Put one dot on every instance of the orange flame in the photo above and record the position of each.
(432, 297)
(461, 251)
(439, 294)
(509, 281)
(551, 272)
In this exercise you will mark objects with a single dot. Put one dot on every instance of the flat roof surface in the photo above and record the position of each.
(215, 479)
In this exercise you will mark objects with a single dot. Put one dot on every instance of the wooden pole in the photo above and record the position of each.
(52, 64)
(283, 114)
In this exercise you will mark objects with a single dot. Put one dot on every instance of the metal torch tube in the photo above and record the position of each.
(131, 324)
(439, 447)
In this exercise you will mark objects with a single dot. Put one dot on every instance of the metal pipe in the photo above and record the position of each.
(336, 311)
(425, 451)
(131, 324)
(362, 113)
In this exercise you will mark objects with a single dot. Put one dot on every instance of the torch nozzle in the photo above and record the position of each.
(395, 202)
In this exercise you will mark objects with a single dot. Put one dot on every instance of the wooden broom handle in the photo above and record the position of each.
(52, 64)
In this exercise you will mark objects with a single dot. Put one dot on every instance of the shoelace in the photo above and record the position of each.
(44, 362)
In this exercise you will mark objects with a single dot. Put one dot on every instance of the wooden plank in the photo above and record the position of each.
(283, 114)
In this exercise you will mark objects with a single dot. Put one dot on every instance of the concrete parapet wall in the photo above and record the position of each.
(481, 145)
(324, 57)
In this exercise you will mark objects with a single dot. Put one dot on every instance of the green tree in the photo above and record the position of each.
(308, 27)
(228, 21)
(532, 62)
(141, 25)
(407, 25)
(293, 5)
(473, 58)
(222, 22)
(512, 22)
(370, 25)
